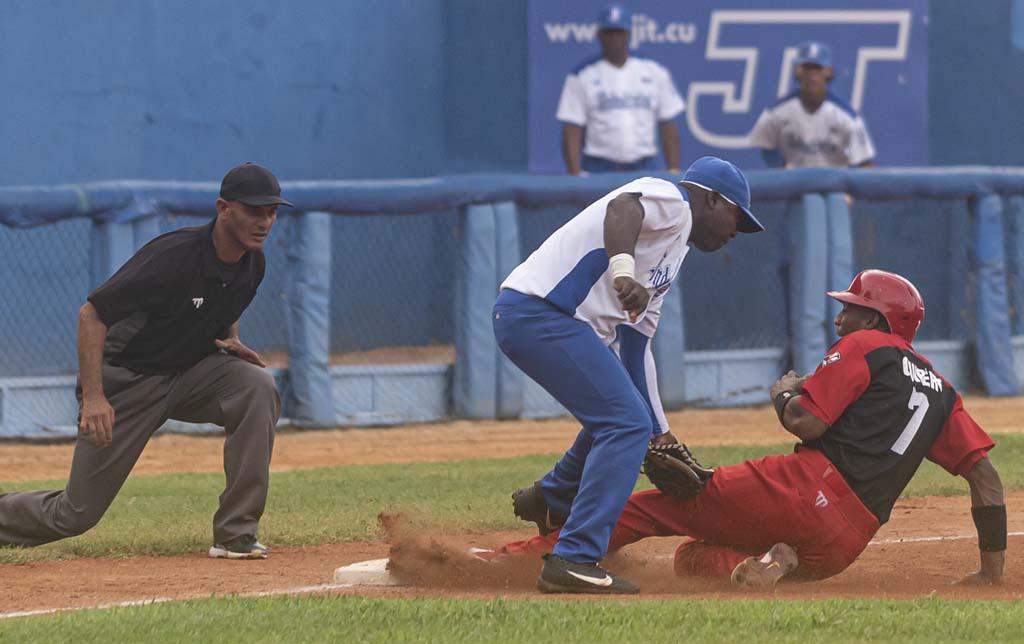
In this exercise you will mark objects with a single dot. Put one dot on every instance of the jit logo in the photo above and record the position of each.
(737, 98)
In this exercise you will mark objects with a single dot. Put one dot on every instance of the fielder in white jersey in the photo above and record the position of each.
(577, 249)
(600, 281)
(623, 104)
(812, 127)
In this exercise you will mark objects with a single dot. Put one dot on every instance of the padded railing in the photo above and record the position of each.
(483, 384)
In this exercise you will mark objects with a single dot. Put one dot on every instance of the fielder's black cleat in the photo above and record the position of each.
(529, 505)
(561, 576)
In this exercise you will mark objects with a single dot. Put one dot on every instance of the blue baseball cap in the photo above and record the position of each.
(718, 175)
(615, 17)
(814, 53)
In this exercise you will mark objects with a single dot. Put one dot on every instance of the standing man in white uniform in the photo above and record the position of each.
(812, 127)
(601, 279)
(621, 102)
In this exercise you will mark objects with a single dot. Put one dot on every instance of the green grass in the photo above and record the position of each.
(171, 514)
(355, 619)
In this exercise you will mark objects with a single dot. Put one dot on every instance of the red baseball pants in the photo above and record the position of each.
(798, 499)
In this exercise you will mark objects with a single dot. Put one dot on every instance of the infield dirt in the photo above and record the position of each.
(887, 569)
(439, 568)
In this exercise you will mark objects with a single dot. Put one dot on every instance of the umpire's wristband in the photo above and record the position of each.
(990, 520)
(781, 401)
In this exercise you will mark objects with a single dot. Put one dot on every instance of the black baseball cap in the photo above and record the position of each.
(253, 185)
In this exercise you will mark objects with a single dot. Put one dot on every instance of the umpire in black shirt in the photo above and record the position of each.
(158, 341)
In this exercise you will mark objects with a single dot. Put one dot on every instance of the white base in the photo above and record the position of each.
(366, 573)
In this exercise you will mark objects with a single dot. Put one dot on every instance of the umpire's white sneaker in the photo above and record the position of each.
(762, 573)
(243, 547)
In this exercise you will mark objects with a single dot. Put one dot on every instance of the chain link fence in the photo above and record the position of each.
(394, 280)
(393, 288)
(45, 272)
(392, 291)
(926, 241)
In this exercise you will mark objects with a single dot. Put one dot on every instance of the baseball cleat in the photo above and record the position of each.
(243, 547)
(529, 505)
(562, 576)
(762, 573)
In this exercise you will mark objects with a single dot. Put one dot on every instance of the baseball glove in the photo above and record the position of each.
(673, 470)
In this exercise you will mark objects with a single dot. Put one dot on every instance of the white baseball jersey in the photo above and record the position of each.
(832, 136)
(570, 269)
(620, 107)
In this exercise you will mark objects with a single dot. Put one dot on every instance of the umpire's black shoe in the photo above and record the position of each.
(529, 505)
(243, 547)
(561, 576)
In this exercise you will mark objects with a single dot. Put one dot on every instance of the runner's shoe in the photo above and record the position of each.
(762, 573)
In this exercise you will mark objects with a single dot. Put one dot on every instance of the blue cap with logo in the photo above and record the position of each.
(615, 17)
(814, 53)
(712, 173)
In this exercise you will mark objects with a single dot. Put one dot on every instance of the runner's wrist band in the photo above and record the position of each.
(990, 520)
(622, 265)
(781, 401)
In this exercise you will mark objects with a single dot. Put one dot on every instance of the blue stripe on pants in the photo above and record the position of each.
(593, 480)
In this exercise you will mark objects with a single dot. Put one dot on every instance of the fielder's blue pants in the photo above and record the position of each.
(592, 481)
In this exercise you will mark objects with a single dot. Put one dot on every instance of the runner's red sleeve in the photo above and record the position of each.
(961, 444)
(838, 381)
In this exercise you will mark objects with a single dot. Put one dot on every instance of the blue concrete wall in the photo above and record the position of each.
(485, 86)
(111, 89)
(318, 89)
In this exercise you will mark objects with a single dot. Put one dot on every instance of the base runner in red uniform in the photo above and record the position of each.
(866, 418)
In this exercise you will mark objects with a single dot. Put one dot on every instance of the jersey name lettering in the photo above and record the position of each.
(923, 377)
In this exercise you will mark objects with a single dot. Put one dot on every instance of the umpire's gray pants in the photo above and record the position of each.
(220, 389)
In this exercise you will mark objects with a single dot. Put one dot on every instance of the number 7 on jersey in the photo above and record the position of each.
(919, 403)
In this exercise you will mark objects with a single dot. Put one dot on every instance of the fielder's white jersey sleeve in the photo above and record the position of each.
(572, 106)
(832, 136)
(670, 103)
(570, 269)
(766, 131)
(620, 107)
(861, 148)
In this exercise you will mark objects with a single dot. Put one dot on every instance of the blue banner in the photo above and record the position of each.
(731, 59)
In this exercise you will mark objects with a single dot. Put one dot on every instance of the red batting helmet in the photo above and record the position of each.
(891, 295)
